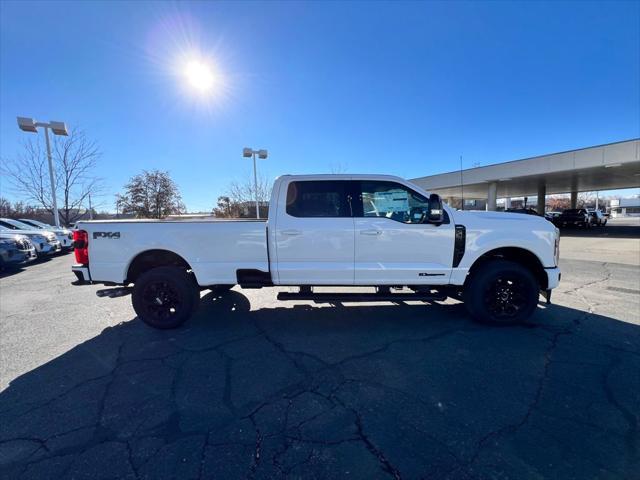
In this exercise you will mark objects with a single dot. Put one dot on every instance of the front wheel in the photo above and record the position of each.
(165, 297)
(501, 292)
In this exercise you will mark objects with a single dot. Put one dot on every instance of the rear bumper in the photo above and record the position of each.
(553, 277)
(82, 274)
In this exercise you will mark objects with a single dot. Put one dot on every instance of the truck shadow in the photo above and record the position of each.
(405, 390)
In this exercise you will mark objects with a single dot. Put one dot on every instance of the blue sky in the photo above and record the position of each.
(399, 88)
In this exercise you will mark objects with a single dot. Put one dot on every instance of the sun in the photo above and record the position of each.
(200, 76)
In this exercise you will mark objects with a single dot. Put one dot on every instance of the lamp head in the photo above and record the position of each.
(27, 124)
(247, 152)
(58, 128)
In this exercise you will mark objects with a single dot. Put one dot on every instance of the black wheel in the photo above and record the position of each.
(501, 292)
(165, 297)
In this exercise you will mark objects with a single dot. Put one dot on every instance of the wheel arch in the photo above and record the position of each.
(519, 255)
(148, 259)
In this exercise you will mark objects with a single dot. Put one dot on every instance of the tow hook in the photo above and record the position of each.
(114, 292)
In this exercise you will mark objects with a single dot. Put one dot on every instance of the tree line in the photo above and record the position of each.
(149, 194)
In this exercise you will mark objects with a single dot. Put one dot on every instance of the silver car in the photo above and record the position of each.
(65, 236)
(15, 250)
(45, 242)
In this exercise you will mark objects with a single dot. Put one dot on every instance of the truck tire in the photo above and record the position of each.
(165, 297)
(501, 292)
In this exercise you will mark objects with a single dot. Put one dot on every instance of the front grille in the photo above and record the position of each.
(23, 244)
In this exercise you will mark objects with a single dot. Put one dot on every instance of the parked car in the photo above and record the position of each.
(329, 230)
(15, 250)
(574, 217)
(597, 217)
(64, 235)
(551, 215)
(45, 242)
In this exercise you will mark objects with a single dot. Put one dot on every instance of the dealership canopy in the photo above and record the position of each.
(603, 167)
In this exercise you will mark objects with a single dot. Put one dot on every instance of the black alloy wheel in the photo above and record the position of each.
(165, 297)
(505, 297)
(501, 292)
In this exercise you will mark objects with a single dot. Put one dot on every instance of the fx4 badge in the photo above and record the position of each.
(106, 235)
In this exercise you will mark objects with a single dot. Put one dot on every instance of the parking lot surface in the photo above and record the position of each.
(255, 388)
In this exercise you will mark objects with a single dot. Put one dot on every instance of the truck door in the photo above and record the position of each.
(393, 245)
(315, 234)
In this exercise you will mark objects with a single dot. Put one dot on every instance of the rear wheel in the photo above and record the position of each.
(501, 292)
(165, 297)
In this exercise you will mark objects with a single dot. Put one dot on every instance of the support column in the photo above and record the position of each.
(492, 196)
(507, 203)
(574, 199)
(542, 197)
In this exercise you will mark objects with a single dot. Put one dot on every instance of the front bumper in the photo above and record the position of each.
(12, 257)
(82, 274)
(65, 241)
(55, 247)
(553, 277)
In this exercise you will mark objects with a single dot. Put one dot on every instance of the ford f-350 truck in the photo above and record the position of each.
(329, 230)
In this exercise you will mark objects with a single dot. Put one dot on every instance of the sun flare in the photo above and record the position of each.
(199, 75)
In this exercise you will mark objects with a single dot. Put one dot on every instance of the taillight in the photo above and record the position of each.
(81, 246)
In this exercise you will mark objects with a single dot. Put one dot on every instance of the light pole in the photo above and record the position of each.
(248, 153)
(58, 128)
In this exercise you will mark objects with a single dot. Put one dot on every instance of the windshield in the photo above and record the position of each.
(572, 211)
(16, 224)
(34, 223)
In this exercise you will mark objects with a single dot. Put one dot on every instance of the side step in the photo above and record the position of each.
(361, 297)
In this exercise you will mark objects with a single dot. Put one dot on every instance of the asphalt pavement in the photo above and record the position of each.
(256, 388)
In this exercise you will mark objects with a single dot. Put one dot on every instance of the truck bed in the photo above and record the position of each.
(215, 249)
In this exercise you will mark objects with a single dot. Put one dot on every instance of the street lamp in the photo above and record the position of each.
(248, 153)
(58, 128)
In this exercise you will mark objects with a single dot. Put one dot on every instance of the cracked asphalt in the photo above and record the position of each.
(255, 388)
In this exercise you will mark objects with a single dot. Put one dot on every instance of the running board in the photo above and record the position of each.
(361, 297)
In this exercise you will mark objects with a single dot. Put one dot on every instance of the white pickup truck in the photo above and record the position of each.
(329, 230)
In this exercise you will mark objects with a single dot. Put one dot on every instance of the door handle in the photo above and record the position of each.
(370, 232)
(291, 232)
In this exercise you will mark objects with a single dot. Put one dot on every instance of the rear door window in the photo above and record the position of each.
(318, 198)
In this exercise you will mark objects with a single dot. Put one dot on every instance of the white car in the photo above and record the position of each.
(330, 230)
(45, 242)
(64, 235)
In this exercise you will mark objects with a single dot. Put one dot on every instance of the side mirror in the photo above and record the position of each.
(436, 212)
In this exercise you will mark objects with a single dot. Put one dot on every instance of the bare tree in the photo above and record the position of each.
(151, 194)
(75, 158)
(17, 209)
(586, 199)
(241, 197)
(245, 191)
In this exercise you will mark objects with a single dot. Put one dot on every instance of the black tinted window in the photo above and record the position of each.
(318, 199)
